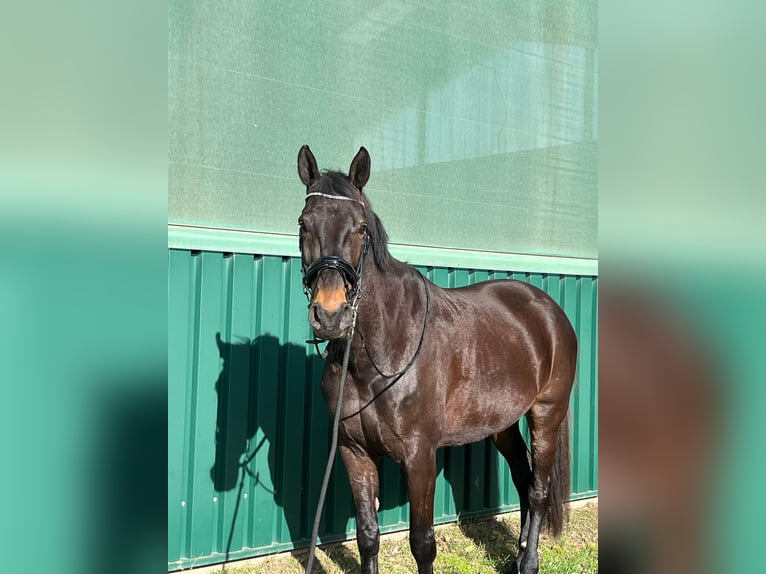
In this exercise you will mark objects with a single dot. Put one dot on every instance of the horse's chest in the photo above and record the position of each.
(375, 434)
(380, 420)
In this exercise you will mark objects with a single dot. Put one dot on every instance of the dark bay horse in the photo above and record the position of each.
(431, 367)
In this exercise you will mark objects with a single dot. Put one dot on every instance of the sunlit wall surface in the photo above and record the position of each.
(480, 118)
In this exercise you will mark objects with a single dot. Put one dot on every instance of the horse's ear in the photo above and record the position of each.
(219, 343)
(359, 172)
(307, 166)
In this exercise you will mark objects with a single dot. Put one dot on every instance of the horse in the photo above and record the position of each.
(430, 367)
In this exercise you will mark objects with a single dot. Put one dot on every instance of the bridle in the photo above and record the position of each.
(352, 277)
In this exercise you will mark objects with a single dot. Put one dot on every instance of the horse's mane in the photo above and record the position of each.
(337, 183)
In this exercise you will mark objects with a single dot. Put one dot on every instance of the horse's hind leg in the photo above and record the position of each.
(511, 445)
(550, 475)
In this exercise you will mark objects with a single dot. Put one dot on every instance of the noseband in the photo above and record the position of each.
(351, 277)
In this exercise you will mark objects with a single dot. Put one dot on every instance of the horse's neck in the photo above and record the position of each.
(385, 318)
(384, 294)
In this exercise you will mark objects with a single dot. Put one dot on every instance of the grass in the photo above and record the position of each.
(480, 546)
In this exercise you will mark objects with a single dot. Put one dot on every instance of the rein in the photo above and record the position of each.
(333, 448)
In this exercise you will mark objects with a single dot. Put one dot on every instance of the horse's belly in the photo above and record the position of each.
(469, 435)
(470, 419)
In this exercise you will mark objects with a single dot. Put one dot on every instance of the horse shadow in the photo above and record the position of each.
(473, 472)
(272, 440)
(498, 540)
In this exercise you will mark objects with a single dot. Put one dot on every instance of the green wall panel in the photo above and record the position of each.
(480, 115)
(249, 431)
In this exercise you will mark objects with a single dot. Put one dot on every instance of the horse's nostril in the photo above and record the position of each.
(315, 313)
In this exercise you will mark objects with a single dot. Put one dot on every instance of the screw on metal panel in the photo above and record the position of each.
(183, 503)
(215, 499)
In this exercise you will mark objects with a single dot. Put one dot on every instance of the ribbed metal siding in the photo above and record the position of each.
(262, 392)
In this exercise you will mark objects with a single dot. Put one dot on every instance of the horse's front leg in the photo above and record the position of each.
(421, 483)
(363, 476)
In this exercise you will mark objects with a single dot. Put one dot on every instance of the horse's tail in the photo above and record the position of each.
(559, 485)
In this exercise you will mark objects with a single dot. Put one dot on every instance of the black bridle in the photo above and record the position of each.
(352, 277)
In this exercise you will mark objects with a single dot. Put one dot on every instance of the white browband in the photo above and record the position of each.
(327, 195)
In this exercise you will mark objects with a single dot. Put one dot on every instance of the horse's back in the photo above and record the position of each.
(517, 305)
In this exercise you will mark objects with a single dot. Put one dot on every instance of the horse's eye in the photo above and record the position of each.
(363, 229)
(302, 226)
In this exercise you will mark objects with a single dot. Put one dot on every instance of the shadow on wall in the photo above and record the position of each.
(270, 408)
(273, 436)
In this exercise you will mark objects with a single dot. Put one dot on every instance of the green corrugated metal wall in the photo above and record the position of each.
(248, 430)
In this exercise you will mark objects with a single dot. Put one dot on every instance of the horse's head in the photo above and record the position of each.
(333, 240)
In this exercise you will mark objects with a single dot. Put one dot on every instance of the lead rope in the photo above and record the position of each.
(333, 448)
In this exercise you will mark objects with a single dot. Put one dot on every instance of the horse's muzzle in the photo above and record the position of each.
(330, 325)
